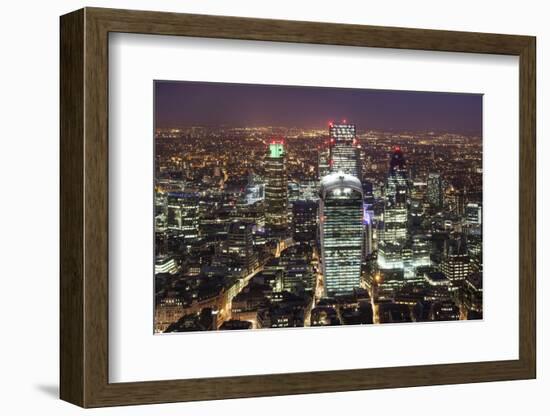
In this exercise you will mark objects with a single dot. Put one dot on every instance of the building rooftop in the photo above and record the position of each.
(341, 180)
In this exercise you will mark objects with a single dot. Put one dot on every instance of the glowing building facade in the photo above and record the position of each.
(344, 155)
(456, 263)
(342, 233)
(394, 232)
(239, 254)
(183, 214)
(276, 187)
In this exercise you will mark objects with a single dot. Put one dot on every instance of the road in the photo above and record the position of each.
(225, 313)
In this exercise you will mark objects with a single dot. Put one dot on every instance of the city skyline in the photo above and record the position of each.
(184, 103)
(263, 227)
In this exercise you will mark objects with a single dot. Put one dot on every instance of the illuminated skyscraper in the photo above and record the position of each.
(456, 267)
(397, 184)
(183, 214)
(304, 221)
(395, 217)
(342, 238)
(276, 188)
(239, 249)
(456, 262)
(397, 192)
(344, 155)
(395, 224)
(435, 190)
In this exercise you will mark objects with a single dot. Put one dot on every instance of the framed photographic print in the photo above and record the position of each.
(260, 207)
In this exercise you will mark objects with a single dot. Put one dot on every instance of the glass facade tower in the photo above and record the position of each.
(344, 155)
(342, 233)
(276, 187)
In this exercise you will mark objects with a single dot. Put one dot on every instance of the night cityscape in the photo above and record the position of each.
(279, 207)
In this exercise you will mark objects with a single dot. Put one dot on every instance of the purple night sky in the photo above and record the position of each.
(179, 104)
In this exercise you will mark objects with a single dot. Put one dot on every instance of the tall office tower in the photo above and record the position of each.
(183, 214)
(435, 190)
(394, 232)
(276, 188)
(239, 249)
(397, 182)
(397, 193)
(456, 261)
(341, 228)
(395, 224)
(304, 221)
(344, 155)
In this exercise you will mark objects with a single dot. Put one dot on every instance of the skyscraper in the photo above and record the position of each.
(397, 183)
(344, 155)
(397, 193)
(435, 190)
(456, 261)
(304, 221)
(239, 249)
(341, 220)
(183, 214)
(395, 224)
(395, 217)
(276, 188)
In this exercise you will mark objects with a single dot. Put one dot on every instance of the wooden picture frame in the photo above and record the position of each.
(84, 207)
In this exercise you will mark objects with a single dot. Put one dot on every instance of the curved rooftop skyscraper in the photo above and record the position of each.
(341, 229)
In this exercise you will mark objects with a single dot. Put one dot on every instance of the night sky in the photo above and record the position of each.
(179, 104)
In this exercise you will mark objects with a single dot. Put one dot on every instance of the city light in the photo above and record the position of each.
(277, 226)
